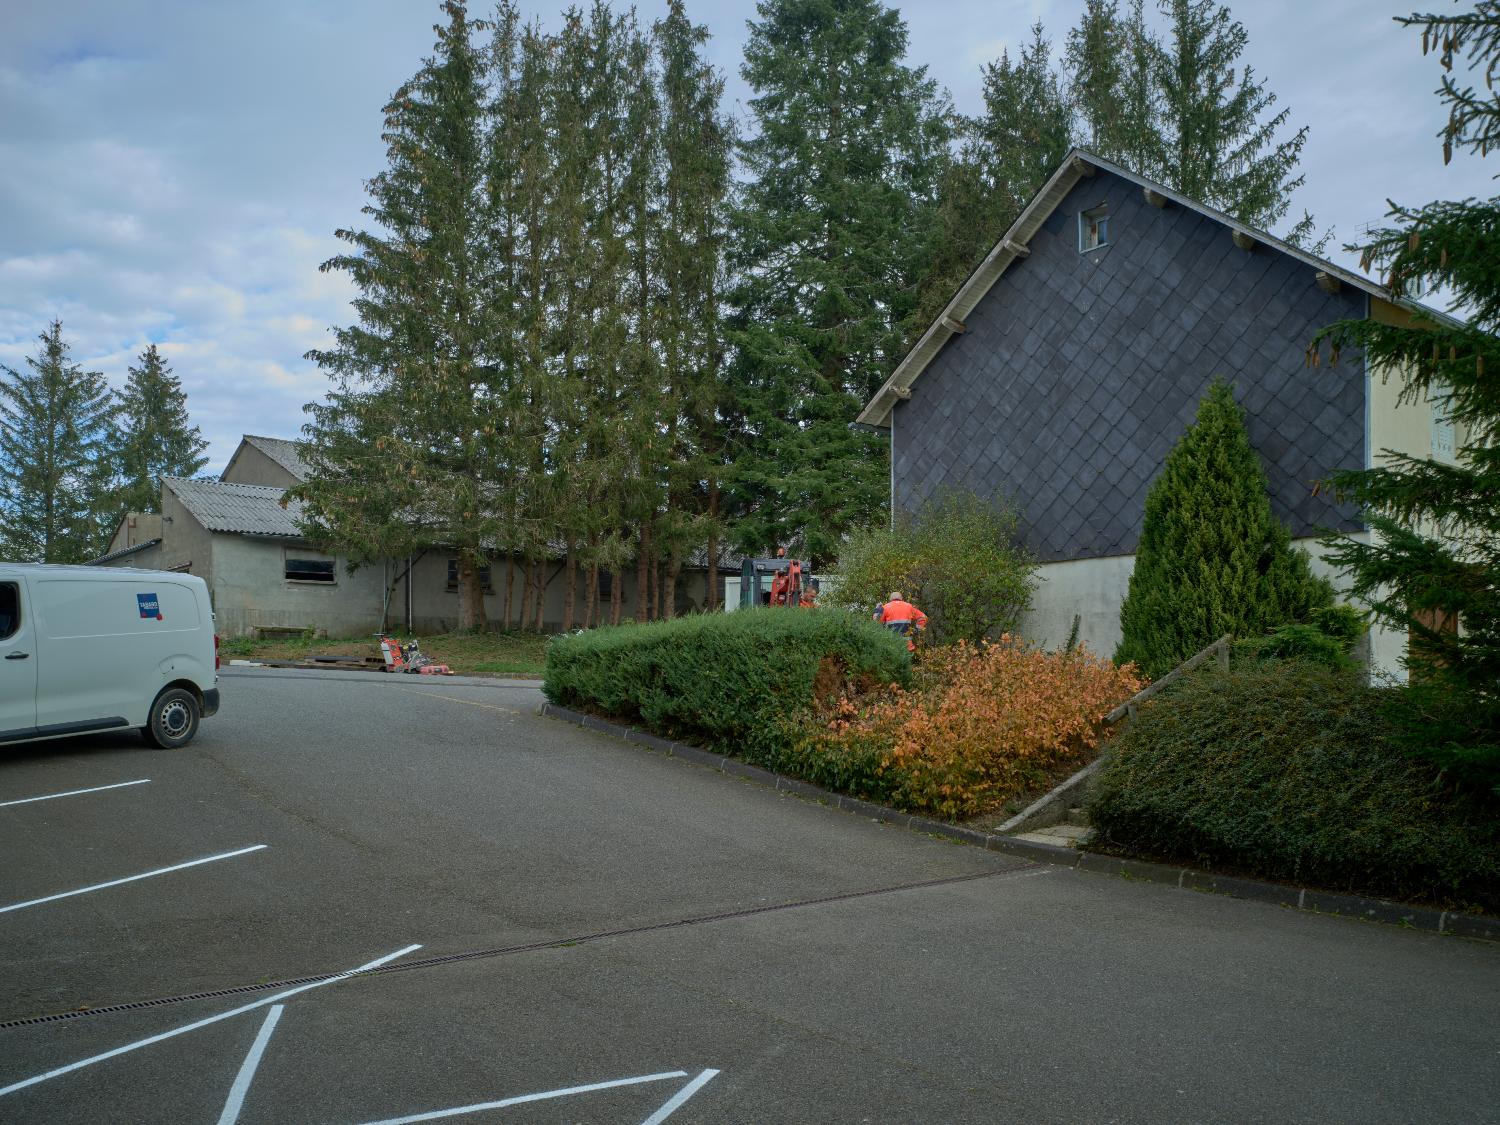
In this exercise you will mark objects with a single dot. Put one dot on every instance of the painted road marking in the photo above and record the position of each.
(246, 1075)
(678, 1099)
(196, 1024)
(458, 699)
(73, 793)
(522, 1098)
(132, 878)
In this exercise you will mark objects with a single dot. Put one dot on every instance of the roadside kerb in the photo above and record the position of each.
(1297, 898)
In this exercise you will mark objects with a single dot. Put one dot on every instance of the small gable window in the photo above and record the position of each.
(1093, 229)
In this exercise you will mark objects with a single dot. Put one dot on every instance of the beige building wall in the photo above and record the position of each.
(1415, 429)
(251, 592)
(251, 466)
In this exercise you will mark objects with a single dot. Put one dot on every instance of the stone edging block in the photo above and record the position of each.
(1480, 926)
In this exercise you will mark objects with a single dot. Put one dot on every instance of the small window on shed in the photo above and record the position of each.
(1093, 229)
(484, 577)
(310, 570)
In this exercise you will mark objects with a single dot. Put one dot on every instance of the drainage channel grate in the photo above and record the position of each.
(504, 951)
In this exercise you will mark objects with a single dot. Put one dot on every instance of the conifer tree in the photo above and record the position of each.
(843, 161)
(1184, 110)
(696, 141)
(1435, 553)
(156, 439)
(58, 457)
(1006, 155)
(1212, 559)
(403, 449)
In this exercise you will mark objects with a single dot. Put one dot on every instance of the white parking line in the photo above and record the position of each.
(73, 793)
(246, 1075)
(678, 1099)
(196, 1024)
(522, 1098)
(132, 878)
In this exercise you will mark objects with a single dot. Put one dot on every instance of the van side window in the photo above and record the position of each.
(10, 609)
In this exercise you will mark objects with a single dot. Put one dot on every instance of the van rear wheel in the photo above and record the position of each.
(174, 719)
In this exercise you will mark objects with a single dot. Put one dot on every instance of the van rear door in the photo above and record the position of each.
(18, 647)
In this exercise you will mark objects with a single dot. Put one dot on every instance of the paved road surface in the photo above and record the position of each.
(388, 814)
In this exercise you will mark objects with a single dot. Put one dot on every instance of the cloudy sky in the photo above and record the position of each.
(172, 171)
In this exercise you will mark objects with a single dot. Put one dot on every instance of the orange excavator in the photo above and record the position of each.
(778, 581)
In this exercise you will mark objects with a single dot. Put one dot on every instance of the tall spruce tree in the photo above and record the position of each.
(1212, 559)
(1006, 155)
(58, 458)
(156, 439)
(696, 149)
(847, 145)
(1435, 552)
(1184, 110)
(403, 450)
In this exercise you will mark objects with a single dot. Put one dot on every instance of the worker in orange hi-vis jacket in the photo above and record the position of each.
(901, 617)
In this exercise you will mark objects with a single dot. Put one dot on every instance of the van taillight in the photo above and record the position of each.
(216, 652)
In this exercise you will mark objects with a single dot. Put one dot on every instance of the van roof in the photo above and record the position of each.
(84, 573)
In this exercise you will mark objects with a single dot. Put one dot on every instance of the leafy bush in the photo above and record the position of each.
(982, 726)
(1212, 558)
(1284, 770)
(730, 681)
(957, 560)
(1328, 640)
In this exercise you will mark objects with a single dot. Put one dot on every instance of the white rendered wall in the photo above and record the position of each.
(1094, 589)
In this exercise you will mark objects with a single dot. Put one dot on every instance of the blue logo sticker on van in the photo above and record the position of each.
(150, 605)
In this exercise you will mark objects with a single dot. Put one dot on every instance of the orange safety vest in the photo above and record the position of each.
(902, 613)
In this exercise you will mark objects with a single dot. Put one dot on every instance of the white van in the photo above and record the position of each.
(93, 648)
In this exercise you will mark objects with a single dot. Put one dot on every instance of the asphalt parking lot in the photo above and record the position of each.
(562, 927)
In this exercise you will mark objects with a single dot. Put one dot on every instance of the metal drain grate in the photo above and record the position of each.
(503, 951)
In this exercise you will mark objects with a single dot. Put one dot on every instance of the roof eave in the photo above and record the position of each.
(1012, 245)
(1075, 166)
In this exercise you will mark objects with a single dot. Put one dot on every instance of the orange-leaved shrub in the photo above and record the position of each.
(981, 725)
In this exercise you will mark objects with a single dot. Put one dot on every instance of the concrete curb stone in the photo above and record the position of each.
(1478, 926)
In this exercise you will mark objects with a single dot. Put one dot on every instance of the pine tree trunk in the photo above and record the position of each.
(541, 596)
(669, 587)
(510, 575)
(523, 615)
(570, 589)
(643, 575)
(591, 597)
(711, 601)
(471, 615)
(616, 599)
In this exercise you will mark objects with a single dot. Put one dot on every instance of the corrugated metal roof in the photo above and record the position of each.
(123, 551)
(244, 509)
(284, 453)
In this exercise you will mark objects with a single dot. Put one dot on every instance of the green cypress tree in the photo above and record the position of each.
(156, 439)
(58, 457)
(403, 450)
(1212, 558)
(1436, 548)
(830, 234)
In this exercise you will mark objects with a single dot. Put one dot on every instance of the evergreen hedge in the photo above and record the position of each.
(1283, 770)
(733, 682)
(1212, 558)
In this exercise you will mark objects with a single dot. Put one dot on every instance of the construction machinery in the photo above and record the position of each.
(778, 581)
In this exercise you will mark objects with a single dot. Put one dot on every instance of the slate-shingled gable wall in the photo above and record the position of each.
(1075, 379)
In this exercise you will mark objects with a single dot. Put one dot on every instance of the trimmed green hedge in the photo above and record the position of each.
(1283, 770)
(734, 682)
